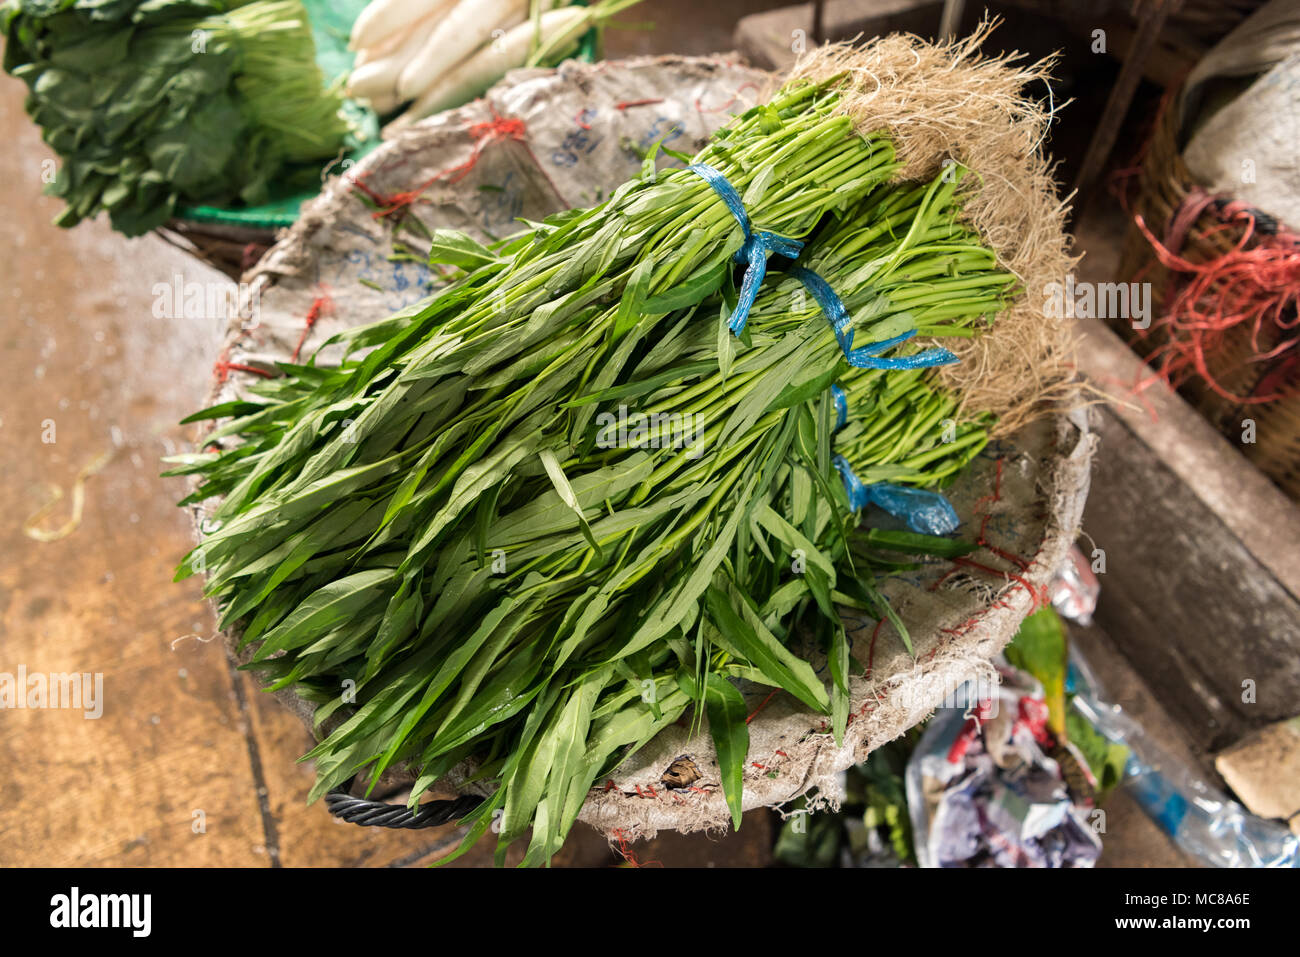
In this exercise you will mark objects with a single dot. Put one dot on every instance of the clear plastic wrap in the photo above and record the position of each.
(1201, 819)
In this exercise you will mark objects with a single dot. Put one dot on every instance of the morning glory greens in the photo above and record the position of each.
(455, 520)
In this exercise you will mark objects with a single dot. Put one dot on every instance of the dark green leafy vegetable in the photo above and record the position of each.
(153, 104)
(875, 800)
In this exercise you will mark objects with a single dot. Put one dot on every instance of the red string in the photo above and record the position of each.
(871, 649)
(222, 368)
(1256, 287)
(625, 849)
(700, 108)
(488, 131)
(323, 304)
(761, 706)
(1038, 597)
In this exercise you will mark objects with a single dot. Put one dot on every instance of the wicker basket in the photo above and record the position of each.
(958, 620)
(1167, 191)
(232, 250)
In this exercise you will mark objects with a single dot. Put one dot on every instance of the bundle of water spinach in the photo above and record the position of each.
(551, 510)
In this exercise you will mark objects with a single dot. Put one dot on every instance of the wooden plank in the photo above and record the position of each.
(162, 777)
(1166, 63)
(1196, 611)
(1216, 473)
(1151, 20)
(1202, 586)
(90, 369)
(771, 40)
(1131, 838)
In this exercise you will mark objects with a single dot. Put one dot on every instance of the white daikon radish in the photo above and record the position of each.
(560, 32)
(382, 18)
(378, 77)
(387, 45)
(468, 26)
(384, 103)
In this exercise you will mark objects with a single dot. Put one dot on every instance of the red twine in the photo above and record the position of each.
(761, 706)
(322, 305)
(625, 850)
(497, 128)
(1256, 287)
(1037, 596)
(222, 370)
(628, 104)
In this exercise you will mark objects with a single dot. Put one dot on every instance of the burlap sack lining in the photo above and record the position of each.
(956, 628)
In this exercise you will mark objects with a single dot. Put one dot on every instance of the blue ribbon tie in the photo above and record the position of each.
(858, 497)
(841, 406)
(865, 357)
(757, 246)
(924, 511)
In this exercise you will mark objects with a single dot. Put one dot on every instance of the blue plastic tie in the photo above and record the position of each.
(865, 357)
(924, 511)
(757, 246)
(852, 484)
(841, 406)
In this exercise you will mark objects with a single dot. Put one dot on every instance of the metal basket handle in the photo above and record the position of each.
(367, 813)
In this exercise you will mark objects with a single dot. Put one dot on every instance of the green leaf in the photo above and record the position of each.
(838, 658)
(1039, 648)
(696, 287)
(327, 607)
(726, 710)
(726, 346)
(790, 537)
(567, 495)
(454, 248)
(751, 640)
(236, 407)
(915, 543)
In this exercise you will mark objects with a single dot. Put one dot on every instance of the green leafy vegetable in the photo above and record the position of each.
(540, 517)
(154, 104)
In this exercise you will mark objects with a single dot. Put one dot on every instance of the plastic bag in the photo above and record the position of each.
(983, 791)
(1201, 819)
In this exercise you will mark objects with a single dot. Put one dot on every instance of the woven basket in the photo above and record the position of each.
(1166, 186)
(232, 250)
(1027, 491)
